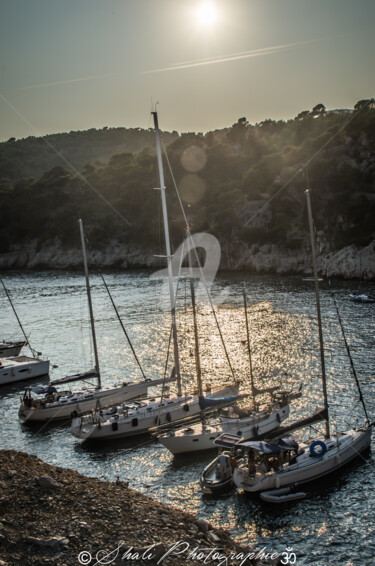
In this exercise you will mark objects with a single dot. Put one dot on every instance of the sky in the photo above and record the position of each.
(80, 64)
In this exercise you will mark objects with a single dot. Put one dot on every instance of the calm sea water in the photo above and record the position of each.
(335, 524)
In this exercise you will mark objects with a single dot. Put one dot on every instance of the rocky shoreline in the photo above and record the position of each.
(348, 263)
(51, 515)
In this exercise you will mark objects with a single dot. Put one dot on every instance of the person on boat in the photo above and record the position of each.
(223, 467)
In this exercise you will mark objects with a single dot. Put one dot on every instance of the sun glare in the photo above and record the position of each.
(206, 13)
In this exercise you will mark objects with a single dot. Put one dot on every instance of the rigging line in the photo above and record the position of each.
(199, 264)
(350, 119)
(350, 359)
(66, 161)
(116, 311)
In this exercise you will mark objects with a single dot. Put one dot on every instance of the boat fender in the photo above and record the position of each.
(115, 426)
(186, 407)
(278, 418)
(314, 445)
(74, 414)
(135, 422)
(168, 417)
(255, 431)
(277, 482)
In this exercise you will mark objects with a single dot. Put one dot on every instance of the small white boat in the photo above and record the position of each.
(59, 405)
(246, 423)
(126, 421)
(217, 477)
(14, 367)
(282, 466)
(362, 298)
(9, 349)
(21, 368)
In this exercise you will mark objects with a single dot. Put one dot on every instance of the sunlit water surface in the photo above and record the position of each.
(335, 524)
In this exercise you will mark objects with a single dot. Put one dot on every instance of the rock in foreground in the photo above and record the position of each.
(52, 515)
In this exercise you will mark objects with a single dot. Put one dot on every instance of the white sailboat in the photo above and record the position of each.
(265, 466)
(249, 422)
(130, 421)
(15, 367)
(56, 405)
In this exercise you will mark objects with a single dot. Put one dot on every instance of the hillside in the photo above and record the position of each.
(32, 156)
(245, 185)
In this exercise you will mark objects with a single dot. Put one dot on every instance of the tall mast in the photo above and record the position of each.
(196, 341)
(17, 317)
(89, 301)
(248, 346)
(168, 252)
(322, 361)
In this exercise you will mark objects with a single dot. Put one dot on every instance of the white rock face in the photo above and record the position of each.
(348, 263)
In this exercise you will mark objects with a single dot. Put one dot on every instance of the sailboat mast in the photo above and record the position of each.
(168, 252)
(248, 346)
(89, 301)
(17, 317)
(322, 361)
(196, 341)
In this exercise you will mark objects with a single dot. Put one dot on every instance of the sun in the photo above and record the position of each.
(206, 13)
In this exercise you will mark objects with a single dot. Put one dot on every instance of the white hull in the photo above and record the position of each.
(201, 436)
(140, 420)
(341, 449)
(21, 368)
(81, 402)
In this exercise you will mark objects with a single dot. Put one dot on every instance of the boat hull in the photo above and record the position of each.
(341, 450)
(217, 477)
(200, 437)
(22, 368)
(140, 421)
(80, 403)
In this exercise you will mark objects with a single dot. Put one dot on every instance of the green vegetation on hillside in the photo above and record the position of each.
(225, 179)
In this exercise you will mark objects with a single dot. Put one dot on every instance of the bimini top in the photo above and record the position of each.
(41, 389)
(280, 445)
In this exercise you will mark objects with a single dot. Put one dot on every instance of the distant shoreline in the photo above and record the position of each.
(349, 263)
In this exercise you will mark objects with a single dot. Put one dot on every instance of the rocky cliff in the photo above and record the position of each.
(348, 263)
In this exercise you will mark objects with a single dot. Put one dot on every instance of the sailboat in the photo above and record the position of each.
(249, 422)
(69, 404)
(139, 419)
(15, 367)
(267, 466)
